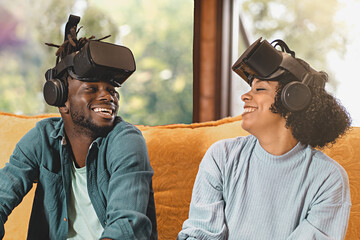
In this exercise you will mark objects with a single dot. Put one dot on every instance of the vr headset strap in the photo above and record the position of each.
(72, 22)
(66, 62)
(293, 66)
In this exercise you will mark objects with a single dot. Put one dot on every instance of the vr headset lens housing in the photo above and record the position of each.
(260, 60)
(97, 61)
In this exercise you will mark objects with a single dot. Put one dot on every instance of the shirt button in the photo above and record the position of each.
(65, 219)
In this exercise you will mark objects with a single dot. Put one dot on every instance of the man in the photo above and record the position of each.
(273, 184)
(94, 179)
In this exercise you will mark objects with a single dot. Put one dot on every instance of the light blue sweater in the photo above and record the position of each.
(243, 192)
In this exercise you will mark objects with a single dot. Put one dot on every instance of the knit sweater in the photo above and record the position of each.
(243, 192)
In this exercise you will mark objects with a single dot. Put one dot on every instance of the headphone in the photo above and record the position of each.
(55, 92)
(296, 96)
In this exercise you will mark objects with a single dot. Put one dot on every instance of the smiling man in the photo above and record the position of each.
(94, 178)
(274, 184)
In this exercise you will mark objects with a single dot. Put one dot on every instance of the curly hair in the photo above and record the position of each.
(321, 122)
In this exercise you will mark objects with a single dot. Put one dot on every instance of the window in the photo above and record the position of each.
(159, 32)
(328, 40)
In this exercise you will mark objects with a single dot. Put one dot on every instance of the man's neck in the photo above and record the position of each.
(80, 144)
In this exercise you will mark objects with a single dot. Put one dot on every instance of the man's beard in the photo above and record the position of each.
(87, 126)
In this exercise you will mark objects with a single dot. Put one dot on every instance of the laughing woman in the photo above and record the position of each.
(274, 184)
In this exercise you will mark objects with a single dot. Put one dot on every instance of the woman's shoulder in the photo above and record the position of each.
(323, 161)
(331, 173)
(228, 151)
(234, 143)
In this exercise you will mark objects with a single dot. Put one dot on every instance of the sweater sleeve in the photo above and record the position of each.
(328, 216)
(206, 217)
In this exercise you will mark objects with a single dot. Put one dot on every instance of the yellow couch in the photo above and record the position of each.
(175, 152)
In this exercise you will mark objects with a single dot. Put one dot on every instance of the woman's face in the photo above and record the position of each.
(257, 117)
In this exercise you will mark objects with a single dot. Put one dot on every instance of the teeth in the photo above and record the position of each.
(249, 109)
(103, 110)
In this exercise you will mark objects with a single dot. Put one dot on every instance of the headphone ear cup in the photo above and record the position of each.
(295, 96)
(55, 92)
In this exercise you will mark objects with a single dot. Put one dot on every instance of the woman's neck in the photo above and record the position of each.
(277, 142)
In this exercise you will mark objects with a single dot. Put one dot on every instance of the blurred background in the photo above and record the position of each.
(158, 32)
(163, 36)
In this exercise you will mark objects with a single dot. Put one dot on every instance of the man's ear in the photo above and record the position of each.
(65, 109)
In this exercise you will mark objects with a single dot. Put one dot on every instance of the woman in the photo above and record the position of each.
(273, 184)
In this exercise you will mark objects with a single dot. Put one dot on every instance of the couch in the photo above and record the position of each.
(175, 152)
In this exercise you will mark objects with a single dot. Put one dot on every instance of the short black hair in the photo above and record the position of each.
(321, 122)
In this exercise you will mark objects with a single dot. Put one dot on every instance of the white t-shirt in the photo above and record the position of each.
(83, 221)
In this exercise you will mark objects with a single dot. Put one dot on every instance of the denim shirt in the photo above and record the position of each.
(119, 182)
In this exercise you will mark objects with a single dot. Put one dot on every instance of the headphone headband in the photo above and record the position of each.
(64, 64)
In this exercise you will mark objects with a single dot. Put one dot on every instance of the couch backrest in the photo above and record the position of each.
(175, 152)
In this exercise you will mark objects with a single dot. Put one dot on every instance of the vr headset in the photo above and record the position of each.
(94, 62)
(263, 61)
(97, 61)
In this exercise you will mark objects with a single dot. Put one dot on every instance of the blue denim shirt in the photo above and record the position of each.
(119, 179)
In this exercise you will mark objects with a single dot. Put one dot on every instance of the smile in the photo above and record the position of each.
(249, 109)
(105, 111)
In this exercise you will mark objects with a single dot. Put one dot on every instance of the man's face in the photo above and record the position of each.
(257, 117)
(93, 106)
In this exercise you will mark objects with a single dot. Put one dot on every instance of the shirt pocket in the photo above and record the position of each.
(52, 187)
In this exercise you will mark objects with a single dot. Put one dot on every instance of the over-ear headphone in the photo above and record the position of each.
(55, 92)
(296, 96)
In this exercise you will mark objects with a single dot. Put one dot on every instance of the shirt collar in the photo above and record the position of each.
(59, 132)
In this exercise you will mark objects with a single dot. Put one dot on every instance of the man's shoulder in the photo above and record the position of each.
(44, 132)
(49, 121)
(123, 128)
(50, 126)
(122, 125)
(124, 137)
(47, 126)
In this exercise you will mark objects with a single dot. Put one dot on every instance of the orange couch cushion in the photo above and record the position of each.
(175, 152)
